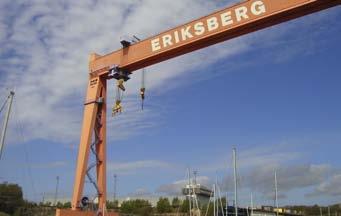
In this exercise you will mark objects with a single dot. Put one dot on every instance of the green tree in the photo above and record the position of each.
(48, 204)
(67, 205)
(185, 206)
(112, 204)
(176, 202)
(209, 210)
(59, 205)
(223, 201)
(11, 198)
(163, 205)
(27, 209)
(138, 207)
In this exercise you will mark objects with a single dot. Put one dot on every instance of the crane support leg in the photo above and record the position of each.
(94, 124)
(101, 147)
(94, 104)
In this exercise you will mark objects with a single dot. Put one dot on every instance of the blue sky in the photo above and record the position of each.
(272, 94)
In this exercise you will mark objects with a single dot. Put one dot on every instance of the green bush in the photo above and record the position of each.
(11, 198)
(163, 206)
(137, 207)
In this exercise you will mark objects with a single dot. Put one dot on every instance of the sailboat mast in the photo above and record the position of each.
(235, 181)
(4, 128)
(189, 192)
(251, 204)
(217, 196)
(320, 211)
(226, 204)
(276, 193)
(328, 210)
(214, 199)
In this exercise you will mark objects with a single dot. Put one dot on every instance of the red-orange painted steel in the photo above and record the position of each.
(231, 24)
(235, 21)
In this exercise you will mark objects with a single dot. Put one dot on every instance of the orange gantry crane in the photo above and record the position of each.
(240, 19)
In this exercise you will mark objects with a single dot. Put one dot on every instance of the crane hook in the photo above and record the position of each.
(120, 85)
(143, 88)
(142, 94)
(117, 109)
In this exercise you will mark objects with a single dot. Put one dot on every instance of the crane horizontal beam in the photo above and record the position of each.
(232, 22)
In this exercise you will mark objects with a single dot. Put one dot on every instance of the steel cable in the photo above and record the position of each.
(20, 128)
(3, 105)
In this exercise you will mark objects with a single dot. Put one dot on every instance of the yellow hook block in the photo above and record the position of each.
(117, 108)
(120, 85)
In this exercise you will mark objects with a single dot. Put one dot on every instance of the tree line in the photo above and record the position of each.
(12, 203)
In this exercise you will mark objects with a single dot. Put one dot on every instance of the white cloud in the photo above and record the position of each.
(140, 192)
(133, 166)
(56, 164)
(290, 177)
(45, 49)
(329, 187)
(265, 156)
(253, 157)
(256, 168)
